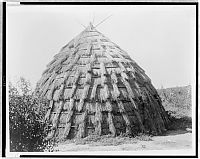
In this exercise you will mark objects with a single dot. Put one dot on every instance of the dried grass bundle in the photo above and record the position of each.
(91, 107)
(67, 93)
(123, 69)
(76, 76)
(72, 63)
(45, 71)
(69, 81)
(93, 57)
(137, 67)
(81, 131)
(148, 120)
(98, 111)
(85, 91)
(124, 76)
(114, 78)
(71, 104)
(151, 88)
(103, 80)
(55, 94)
(109, 106)
(98, 119)
(111, 124)
(158, 111)
(125, 116)
(93, 93)
(97, 72)
(44, 79)
(126, 119)
(89, 48)
(88, 67)
(47, 116)
(51, 62)
(102, 68)
(80, 105)
(73, 90)
(117, 70)
(128, 88)
(62, 58)
(81, 127)
(132, 69)
(66, 130)
(61, 54)
(45, 90)
(69, 116)
(84, 60)
(115, 92)
(121, 106)
(104, 93)
(124, 93)
(47, 80)
(56, 117)
(88, 78)
(52, 67)
(66, 106)
(109, 57)
(51, 91)
(58, 94)
(129, 70)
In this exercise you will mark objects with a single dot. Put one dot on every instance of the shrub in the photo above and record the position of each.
(26, 114)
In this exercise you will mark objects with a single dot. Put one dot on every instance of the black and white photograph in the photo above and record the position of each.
(107, 79)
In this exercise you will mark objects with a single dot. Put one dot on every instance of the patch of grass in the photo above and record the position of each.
(143, 137)
(108, 140)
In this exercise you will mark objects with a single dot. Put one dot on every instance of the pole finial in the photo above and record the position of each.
(103, 21)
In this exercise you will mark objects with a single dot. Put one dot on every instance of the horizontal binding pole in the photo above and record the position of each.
(84, 56)
(110, 67)
(73, 126)
(95, 67)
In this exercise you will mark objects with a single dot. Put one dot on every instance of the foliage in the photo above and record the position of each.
(26, 116)
(177, 101)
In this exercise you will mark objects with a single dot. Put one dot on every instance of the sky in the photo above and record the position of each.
(161, 39)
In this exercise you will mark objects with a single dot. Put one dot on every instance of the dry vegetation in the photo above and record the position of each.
(177, 102)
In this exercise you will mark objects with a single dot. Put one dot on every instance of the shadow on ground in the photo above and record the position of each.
(179, 125)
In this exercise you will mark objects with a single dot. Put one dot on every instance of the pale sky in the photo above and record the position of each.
(161, 39)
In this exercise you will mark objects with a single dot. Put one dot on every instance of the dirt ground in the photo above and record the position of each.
(172, 140)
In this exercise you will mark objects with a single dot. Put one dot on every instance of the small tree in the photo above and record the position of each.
(26, 116)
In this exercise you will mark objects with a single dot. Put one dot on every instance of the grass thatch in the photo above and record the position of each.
(93, 74)
(81, 127)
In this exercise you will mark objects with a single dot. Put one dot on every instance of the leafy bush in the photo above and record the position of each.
(177, 101)
(26, 116)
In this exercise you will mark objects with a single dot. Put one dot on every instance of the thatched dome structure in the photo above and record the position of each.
(94, 87)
